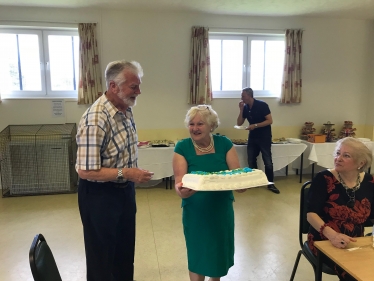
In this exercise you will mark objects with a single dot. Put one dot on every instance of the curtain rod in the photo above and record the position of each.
(251, 28)
(38, 21)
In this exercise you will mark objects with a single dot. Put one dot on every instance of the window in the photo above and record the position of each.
(39, 63)
(239, 61)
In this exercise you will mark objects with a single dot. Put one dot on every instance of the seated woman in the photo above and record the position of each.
(340, 199)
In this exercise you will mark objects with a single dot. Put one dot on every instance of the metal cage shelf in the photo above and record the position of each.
(38, 159)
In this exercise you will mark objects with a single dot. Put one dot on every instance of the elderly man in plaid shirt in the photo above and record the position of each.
(107, 166)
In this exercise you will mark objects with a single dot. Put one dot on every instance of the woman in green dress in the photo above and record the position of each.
(208, 216)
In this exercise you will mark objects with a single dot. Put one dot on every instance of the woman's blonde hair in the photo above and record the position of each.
(207, 114)
(360, 151)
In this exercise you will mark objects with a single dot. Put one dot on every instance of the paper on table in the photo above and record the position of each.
(353, 249)
(240, 127)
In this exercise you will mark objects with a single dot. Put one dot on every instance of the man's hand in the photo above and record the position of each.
(240, 119)
(241, 105)
(251, 127)
(138, 175)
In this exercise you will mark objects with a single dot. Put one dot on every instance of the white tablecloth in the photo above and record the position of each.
(158, 160)
(282, 154)
(322, 154)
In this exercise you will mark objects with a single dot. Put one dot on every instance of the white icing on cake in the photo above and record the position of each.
(226, 180)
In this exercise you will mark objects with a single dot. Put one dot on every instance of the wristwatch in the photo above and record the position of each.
(255, 125)
(120, 174)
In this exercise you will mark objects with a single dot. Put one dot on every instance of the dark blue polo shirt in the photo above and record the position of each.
(257, 115)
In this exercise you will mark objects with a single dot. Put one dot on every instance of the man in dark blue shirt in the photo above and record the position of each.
(259, 117)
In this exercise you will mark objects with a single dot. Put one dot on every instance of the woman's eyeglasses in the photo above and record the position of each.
(202, 107)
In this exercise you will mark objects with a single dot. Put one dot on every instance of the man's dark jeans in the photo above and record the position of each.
(254, 147)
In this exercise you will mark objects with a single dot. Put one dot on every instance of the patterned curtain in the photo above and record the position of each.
(292, 81)
(90, 87)
(199, 72)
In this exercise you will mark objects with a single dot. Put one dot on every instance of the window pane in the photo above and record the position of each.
(215, 63)
(232, 65)
(76, 61)
(9, 73)
(30, 62)
(257, 65)
(274, 57)
(262, 54)
(61, 62)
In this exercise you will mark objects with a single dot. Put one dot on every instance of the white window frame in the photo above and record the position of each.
(46, 91)
(55, 94)
(246, 62)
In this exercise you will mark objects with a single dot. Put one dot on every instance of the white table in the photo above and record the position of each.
(282, 155)
(321, 154)
(158, 160)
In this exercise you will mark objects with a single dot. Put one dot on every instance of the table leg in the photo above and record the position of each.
(312, 171)
(287, 170)
(301, 166)
(318, 272)
(167, 181)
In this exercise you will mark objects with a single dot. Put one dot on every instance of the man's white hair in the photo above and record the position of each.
(115, 68)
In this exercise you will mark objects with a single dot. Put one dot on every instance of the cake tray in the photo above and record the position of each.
(228, 189)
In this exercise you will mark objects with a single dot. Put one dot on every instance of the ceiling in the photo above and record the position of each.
(350, 9)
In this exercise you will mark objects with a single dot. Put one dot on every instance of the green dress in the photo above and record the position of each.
(208, 216)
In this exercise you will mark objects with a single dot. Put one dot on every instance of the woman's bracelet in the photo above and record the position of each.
(321, 231)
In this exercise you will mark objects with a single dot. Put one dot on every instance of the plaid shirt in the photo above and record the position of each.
(106, 137)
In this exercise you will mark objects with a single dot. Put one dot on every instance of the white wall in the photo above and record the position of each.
(337, 66)
(370, 77)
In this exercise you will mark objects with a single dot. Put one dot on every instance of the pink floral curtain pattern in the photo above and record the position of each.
(292, 80)
(199, 72)
(90, 87)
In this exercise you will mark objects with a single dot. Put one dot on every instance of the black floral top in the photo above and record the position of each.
(328, 198)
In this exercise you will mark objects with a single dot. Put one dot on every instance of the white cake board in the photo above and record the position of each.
(228, 189)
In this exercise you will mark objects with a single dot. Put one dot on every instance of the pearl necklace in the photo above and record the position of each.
(351, 192)
(204, 149)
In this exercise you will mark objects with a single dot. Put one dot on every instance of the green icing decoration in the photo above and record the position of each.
(223, 173)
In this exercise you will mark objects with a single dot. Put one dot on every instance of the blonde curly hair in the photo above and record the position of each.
(206, 112)
(361, 152)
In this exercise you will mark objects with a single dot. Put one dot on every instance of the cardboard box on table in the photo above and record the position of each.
(316, 138)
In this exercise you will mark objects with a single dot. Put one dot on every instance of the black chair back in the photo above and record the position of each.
(304, 229)
(42, 263)
(303, 222)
